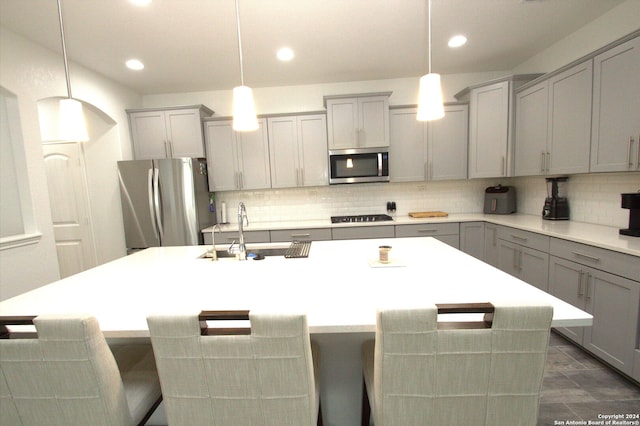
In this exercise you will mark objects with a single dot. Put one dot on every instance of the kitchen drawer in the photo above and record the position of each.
(624, 265)
(230, 236)
(360, 232)
(427, 230)
(307, 234)
(524, 238)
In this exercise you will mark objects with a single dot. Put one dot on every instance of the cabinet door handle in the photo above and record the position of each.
(547, 163)
(586, 256)
(166, 151)
(301, 176)
(542, 165)
(587, 280)
(431, 170)
(515, 260)
(504, 166)
(520, 255)
(580, 289)
(629, 143)
(170, 149)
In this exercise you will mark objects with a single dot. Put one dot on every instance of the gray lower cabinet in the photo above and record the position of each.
(472, 238)
(530, 265)
(307, 234)
(491, 244)
(228, 237)
(363, 232)
(607, 285)
(612, 300)
(448, 233)
(524, 255)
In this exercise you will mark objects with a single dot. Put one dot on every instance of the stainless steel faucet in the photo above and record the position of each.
(214, 254)
(242, 217)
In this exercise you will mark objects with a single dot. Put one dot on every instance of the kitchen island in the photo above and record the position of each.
(340, 286)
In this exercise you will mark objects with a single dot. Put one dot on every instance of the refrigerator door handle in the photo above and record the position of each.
(156, 202)
(151, 203)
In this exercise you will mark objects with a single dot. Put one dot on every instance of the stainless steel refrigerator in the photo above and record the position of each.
(164, 202)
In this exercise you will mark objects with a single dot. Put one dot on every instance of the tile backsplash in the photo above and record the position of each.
(593, 198)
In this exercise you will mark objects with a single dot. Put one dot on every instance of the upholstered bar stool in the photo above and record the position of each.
(66, 374)
(258, 375)
(422, 372)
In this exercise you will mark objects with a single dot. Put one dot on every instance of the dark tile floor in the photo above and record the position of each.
(579, 387)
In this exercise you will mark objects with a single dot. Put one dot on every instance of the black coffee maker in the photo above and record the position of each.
(556, 206)
(632, 202)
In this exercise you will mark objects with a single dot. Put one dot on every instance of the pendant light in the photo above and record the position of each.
(72, 126)
(244, 110)
(430, 106)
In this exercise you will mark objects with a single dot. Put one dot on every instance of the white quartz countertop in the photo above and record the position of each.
(340, 286)
(606, 237)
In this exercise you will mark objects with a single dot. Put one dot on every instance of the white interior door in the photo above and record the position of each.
(68, 195)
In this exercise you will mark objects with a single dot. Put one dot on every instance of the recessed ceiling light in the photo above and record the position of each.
(457, 41)
(134, 64)
(285, 54)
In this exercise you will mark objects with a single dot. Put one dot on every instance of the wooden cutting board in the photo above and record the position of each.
(428, 214)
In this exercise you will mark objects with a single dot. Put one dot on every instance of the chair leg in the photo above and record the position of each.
(366, 408)
(150, 412)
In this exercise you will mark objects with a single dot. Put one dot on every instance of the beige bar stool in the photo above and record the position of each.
(423, 372)
(265, 374)
(66, 374)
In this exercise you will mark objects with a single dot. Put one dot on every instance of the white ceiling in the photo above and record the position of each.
(191, 45)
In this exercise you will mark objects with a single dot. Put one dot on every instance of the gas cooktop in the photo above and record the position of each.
(361, 218)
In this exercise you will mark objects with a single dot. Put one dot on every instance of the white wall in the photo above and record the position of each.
(609, 27)
(303, 98)
(34, 73)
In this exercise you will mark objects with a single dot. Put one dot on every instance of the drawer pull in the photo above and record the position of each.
(586, 256)
(427, 230)
(300, 235)
(519, 238)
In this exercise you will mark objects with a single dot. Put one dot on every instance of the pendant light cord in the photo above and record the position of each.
(429, 19)
(239, 44)
(64, 51)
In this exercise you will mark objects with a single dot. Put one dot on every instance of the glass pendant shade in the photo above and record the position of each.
(244, 110)
(430, 105)
(72, 126)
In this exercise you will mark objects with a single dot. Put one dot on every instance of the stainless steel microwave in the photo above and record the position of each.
(358, 165)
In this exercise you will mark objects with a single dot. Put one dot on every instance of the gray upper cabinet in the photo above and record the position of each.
(435, 150)
(531, 130)
(553, 124)
(298, 150)
(358, 121)
(237, 160)
(489, 130)
(168, 132)
(616, 109)
(491, 125)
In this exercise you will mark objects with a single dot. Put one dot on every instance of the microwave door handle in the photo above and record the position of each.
(379, 164)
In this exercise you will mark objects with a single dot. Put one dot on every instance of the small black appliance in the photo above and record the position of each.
(632, 202)
(500, 200)
(556, 206)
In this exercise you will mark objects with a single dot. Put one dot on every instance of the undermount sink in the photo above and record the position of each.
(265, 250)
